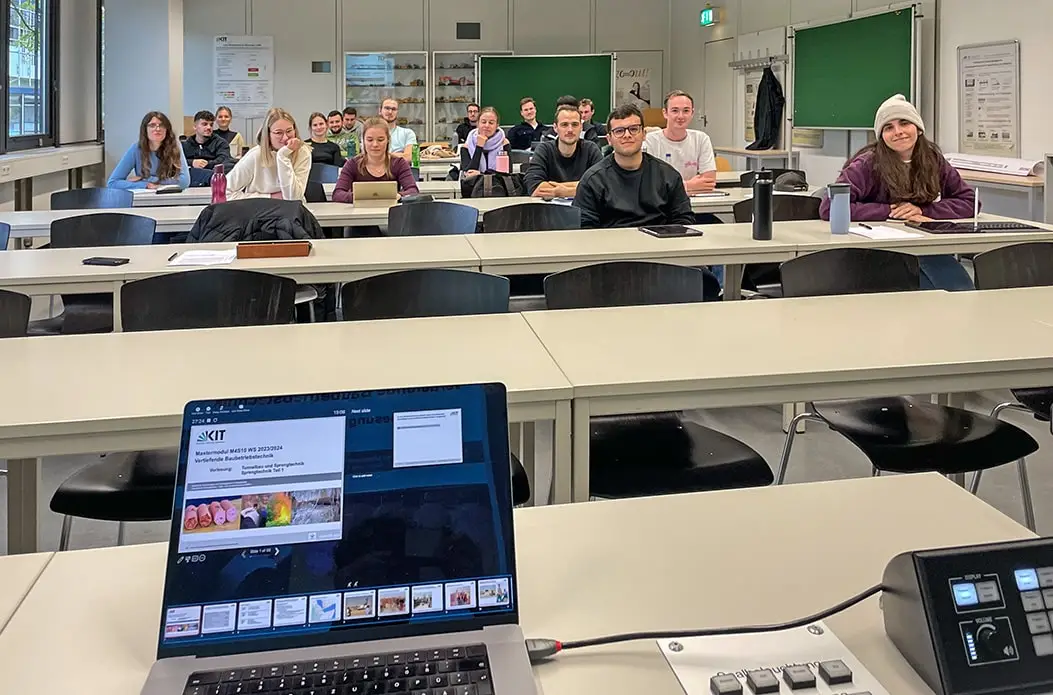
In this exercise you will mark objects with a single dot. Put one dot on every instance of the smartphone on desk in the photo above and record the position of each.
(104, 260)
(669, 231)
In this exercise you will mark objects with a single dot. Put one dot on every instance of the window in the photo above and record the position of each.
(31, 32)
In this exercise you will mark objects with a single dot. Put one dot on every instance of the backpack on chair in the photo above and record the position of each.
(498, 185)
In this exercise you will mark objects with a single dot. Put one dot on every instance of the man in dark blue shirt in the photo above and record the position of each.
(530, 130)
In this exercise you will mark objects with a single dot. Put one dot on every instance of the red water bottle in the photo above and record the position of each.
(219, 185)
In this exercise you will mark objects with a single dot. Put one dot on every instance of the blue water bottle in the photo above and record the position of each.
(840, 208)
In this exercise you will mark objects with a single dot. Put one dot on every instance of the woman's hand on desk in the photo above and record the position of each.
(904, 211)
(470, 173)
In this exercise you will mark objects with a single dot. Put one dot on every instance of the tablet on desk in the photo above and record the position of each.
(946, 227)
(170, 188)
(711, 194)
(670, 231)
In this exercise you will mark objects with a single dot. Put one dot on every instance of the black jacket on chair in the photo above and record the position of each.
(767, 121)
(255, 219)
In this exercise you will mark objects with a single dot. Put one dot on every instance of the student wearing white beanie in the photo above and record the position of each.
(904, 176)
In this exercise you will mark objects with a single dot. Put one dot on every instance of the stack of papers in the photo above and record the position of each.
(877, 231)
(202, 257)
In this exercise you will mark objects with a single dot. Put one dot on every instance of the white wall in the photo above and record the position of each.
(78, 71)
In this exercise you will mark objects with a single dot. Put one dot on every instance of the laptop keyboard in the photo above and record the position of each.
(449, 671)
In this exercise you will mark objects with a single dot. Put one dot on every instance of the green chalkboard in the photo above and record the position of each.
(843, 71)
(504, 80)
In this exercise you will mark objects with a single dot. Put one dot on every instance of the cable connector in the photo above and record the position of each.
(542, 649)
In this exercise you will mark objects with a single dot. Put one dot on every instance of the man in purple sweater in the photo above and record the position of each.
(902, 176)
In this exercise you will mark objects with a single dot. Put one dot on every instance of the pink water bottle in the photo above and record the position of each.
(219, 185)
(502, 162)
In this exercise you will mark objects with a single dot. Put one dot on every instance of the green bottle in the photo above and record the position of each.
(416, 155)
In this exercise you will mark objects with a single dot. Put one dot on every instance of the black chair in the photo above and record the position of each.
(748, 177)
(425, 219)
(521, 157)
(416, 173)
(324, 173)
(433, 292)
(652, 453)
(92, 313)
(138, 486)
(5, 235)
(531, 217)
(92, 198)
(424, 292)
(14, 314)
(764, 277)
(899, 434)
(313, 192)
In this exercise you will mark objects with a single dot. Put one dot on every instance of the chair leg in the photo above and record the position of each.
(1025, 493)
(875, 472)
(791, 432)
(120, 533)
(67, 526)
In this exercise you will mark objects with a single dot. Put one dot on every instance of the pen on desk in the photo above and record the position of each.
(173, 256)
(864, 225)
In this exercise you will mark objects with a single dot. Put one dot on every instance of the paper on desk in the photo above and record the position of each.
(878, 231)
(202, 257)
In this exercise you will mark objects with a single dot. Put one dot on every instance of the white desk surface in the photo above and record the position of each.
(46, 271)
(743, 152)
(62, 409)
(96, 612)
(18, 574)
(203, 195)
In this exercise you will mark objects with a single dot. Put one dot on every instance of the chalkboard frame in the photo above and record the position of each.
(911, 91)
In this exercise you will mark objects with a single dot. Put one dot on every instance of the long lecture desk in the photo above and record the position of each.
(724, 558)
(440, 190)
(1033, 186)
(657, 358)
(180, 218)
(126, 391)
(18, 574)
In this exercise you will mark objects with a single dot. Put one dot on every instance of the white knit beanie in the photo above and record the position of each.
(897, 108)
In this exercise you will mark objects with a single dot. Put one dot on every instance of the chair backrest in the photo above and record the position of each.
(425, 292)
(324, 173)
(748, 177)
(531, 217)
(91, 198)
(14, 314)
(520, 156)
(313, 192)
(784, 208)
(1018, 265)
(723, 164)
(849, 271)
(426, 219)
(102, 229)
(207, 298)
(623, 283)
(416, 173)
(5, 235)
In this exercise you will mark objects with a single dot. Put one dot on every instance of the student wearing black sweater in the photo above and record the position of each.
(631, 188)
(322, 150)
(204, 150)
(557, 165)
(530, 130)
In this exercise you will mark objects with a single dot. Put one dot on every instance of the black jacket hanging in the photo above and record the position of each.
(767, 120)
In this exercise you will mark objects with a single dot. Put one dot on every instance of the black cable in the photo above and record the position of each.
(541, 649)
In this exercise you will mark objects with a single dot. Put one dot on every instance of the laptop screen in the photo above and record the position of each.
(339, 517)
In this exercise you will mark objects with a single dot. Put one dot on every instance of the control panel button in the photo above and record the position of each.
(1045, 577)
(798, 677)
(1032, 601)
(725, 684)
(965, 594)
(762, 681)
(1026, 580)
(1038, 623)
(1047, 594)
(988, 592)
(1043, 645)
(835, 672)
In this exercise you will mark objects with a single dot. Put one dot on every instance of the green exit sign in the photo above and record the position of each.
(708, 17)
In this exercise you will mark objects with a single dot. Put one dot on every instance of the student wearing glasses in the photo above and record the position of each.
(155, 160)
(402, 139)
(277, 167)
(631, 188)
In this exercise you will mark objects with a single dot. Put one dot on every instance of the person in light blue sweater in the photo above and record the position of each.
(156, 160)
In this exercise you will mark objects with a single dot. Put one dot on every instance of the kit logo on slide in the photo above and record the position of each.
(211, 436)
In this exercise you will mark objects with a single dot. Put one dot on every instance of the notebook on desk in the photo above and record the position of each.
(343, 543)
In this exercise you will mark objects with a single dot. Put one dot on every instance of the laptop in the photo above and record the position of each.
(343, 544)
(375, 193)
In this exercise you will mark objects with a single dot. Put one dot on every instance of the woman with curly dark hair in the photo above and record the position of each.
(155, 160)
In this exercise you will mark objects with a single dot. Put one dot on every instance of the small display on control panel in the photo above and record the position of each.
(975, 619)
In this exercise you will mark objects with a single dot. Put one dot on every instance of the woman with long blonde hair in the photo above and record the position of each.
(277, 167)
(155, 160)
(374, 164)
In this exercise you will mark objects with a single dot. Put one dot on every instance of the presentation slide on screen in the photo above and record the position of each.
(262, 483)
(427, 438)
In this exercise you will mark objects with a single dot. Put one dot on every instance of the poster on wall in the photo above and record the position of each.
(638, 79)
(989, 99)
(243, 74)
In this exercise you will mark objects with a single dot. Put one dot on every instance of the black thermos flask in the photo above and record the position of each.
(762, 214)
